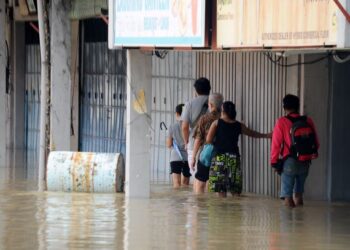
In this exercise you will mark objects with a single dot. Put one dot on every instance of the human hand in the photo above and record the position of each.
(269, 135)
(192, 164)
(277, 171)
(278, 167)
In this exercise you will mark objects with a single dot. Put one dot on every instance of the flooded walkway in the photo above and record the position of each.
(169, 220)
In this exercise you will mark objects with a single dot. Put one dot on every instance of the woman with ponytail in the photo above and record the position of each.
(225, 170)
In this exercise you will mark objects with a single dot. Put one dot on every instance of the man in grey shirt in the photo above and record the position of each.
(193, 110)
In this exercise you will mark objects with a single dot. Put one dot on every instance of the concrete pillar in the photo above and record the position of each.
(60, 75)
(19, 93)
(75, 86)
(138, 141)
(137, 213)
(339, 150)
(316, 105)
(3, 60)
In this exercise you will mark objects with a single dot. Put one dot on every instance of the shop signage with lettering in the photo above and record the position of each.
(276, 23)
(157, 23)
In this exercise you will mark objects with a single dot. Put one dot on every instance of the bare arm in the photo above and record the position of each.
(185, 131)
(169, 142)
(196, 146)
(211, 132)
(252, 133)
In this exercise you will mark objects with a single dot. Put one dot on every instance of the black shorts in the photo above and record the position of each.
(202, 173)
(178, 167)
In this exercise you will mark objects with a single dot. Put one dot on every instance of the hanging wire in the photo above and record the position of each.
(269, 56)
(161, 53)
(341, 60)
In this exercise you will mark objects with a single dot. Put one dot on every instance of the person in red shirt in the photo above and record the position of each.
(293, 172)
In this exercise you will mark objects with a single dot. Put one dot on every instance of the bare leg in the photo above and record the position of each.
(176, 180)
(222, 194)
(185, 180)
(200, 187)
(236, 194)
(298, 199)
(194, 184)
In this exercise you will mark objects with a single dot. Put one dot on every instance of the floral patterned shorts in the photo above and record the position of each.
(225, 174)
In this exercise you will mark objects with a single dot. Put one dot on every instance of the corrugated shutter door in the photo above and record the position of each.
(102, 99)
(257, 86)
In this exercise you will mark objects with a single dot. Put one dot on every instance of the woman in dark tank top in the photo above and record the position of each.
(226, 137)
(225, 171)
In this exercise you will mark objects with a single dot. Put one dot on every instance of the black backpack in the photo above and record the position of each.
(303, 137)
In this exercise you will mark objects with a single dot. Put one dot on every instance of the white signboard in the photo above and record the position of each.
(276, 23)
(157, 23)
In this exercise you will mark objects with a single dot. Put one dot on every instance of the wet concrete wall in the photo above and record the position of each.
(340, 132)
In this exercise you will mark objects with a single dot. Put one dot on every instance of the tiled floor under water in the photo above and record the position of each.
(168, 220)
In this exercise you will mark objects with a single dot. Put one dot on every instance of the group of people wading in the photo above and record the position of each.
(205, 138)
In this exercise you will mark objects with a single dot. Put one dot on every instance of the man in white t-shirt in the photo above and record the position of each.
(193, 110)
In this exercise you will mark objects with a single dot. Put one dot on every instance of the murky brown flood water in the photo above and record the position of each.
(169, 220)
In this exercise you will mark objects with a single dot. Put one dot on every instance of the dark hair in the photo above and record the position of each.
(202, 86)
(291, 102)
(230, 109)
(178, 108)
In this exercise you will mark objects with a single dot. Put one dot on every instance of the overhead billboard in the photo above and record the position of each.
(276, 23)
(157, 23)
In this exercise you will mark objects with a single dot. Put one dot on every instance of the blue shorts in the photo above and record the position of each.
(293, 177)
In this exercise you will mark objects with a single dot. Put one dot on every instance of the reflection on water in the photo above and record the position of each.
(169, 220)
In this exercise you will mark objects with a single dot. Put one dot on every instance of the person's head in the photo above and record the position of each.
(178, 109)
(291, 103)
(202, 86)
(229, 108)
(215, 102)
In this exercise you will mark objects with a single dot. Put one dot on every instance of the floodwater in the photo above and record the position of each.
(170, 219)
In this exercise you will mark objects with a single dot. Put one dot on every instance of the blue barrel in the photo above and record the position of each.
(85, 172)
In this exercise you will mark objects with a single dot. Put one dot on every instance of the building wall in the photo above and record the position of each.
(339, 174)
(32, 107)
(172, 83)
(347, 29)
(316, 105)
(19, 86)
(256, 85)
(343, 36)
(102, 93)
(251, 80)
(3, 97)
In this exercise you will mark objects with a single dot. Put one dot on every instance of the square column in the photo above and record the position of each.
(19, 94)
(61, 83)
(138, 126)
(3, 98)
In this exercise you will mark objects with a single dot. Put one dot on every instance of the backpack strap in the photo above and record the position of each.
(202, 112)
